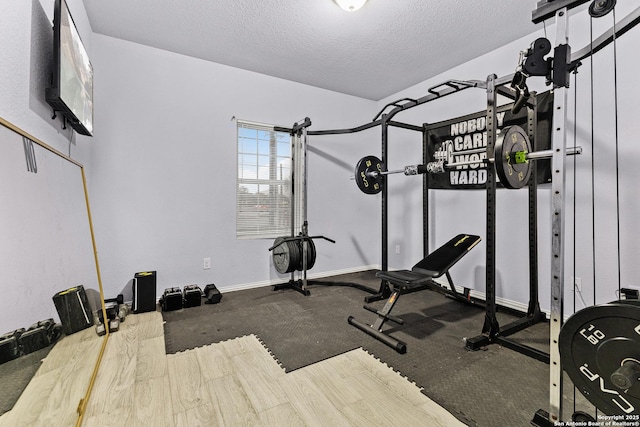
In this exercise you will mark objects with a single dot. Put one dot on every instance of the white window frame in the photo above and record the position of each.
(263, 181)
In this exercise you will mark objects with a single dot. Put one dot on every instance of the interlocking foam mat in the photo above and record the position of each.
(491, 387)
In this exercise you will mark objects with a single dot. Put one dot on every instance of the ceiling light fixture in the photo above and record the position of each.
(350, 5)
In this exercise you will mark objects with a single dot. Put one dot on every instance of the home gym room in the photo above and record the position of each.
(311, 213)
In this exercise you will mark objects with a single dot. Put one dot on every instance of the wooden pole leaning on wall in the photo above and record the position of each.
(82, 406)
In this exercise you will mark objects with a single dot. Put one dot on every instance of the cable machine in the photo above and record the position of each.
(297, 252)
(557, 70)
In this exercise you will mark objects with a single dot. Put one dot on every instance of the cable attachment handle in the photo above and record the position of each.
(519, 85)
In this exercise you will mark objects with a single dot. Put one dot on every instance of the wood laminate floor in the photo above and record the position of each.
(232, 383)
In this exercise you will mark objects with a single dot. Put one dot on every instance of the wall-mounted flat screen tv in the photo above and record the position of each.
(71, 93)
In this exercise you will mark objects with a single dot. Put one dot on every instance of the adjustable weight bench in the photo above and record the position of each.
(418, 278)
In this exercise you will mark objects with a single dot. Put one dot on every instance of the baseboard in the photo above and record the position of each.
(504, 302)
(285, 278)
(514, 305)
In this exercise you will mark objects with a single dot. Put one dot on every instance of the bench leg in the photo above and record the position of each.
(375, 330)
(397, 345)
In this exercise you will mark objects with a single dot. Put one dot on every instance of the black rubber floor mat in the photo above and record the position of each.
(16, 375)
(492, 387)
(299, 330)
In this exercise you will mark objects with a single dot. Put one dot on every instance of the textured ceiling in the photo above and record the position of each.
(385, 47)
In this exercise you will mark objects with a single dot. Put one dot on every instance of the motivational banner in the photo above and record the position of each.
(464, 139)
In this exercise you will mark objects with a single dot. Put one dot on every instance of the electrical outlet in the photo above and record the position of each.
(206, 264)
(577, 283)
(397, 249)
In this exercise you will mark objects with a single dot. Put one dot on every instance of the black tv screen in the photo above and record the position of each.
(72, 91)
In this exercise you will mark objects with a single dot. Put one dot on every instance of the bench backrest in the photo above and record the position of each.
(442, 259)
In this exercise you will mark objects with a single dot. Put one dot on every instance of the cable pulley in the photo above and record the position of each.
(512, 162)
(600, 8)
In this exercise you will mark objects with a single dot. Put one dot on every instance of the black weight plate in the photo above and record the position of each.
(593, 344)
(367, 183)
(511, 140)
(582, 417)
(296, 255)
(311, 253)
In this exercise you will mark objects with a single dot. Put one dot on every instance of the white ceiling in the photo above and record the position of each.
(385, 47)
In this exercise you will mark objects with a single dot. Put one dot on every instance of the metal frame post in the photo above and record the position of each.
(425, 194)
(294, 194)
(491, 326)
(533, 309)
(303, 197)
(558, 145)
(385, 208)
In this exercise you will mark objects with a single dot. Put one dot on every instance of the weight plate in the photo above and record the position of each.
(287, 256)
(311, 253)
(368, 176)
(295, 257)
(582, 417)
(594, 343)
(511, 140)
(282, 256)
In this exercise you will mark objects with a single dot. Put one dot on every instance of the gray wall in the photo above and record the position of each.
(164, 168)
(41, 213)
(161, 167)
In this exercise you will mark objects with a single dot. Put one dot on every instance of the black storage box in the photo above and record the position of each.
(212, 294)
(192, 296)
(144, 292)
(74, 310)
(171, 299)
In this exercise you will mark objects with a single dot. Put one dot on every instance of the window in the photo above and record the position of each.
(263, 201)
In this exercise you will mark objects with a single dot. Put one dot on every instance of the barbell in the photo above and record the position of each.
(512, 155)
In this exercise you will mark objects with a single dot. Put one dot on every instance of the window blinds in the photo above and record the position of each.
(263, 201)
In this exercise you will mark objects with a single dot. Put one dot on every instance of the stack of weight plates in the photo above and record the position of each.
(287, 254)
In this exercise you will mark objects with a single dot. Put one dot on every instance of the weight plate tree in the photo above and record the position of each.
(600, 351)
(512, 164)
